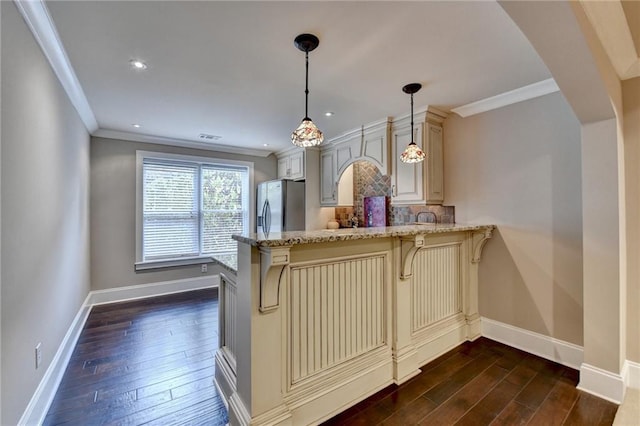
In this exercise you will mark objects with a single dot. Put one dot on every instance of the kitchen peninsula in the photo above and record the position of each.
(315, 321)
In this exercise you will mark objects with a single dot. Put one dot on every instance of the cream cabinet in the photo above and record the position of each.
(434, 164)
(328, 178)
(419, 183)
(291, 165)
(407, 179)
(368, 143)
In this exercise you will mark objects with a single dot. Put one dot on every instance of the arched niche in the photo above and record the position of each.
(347, 186)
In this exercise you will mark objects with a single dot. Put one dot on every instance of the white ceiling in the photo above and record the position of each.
(231, 69)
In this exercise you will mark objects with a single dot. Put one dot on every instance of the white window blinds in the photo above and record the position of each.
(170, 211)
(191, 209)
(222, 210)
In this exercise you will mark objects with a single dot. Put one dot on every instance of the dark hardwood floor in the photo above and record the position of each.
(151, 361)
(148, 361)
(482, 383)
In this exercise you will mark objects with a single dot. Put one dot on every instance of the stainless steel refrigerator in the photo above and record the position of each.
(281, 206)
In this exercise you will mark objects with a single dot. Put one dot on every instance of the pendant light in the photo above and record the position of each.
(412, 153)
(307, 134)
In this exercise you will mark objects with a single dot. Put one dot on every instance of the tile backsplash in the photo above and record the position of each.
(369, 182)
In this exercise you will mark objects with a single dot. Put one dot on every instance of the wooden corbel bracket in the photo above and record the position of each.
(479, 239)
(409, 248)
(272, 262)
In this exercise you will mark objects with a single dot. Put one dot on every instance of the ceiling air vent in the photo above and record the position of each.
(208, 138)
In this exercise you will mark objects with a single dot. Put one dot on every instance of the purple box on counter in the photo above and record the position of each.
(375, 211)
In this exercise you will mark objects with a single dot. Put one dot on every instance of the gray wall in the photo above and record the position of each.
(519, 167)
(113, 207)
(45, 213)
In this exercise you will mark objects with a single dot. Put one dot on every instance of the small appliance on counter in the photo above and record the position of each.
(375, 211)
(281, 206)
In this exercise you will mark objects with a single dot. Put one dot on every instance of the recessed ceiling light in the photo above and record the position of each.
(328, 113)
(265, 144)
(138, 64)
(137, 126)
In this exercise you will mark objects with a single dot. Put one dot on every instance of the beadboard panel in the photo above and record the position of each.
(228, 314)
(337, 312)
(436, 285)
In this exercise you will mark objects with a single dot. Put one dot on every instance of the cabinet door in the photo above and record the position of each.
(328, 196)
(434, 183)
(407, 179)
(296, 165)
(284, 170)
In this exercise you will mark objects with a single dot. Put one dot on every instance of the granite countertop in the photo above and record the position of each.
(277, 239)
(228, 261)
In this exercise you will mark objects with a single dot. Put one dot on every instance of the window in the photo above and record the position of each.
(188, 208)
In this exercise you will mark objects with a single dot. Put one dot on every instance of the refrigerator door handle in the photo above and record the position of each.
(267, 217)
(262, 220)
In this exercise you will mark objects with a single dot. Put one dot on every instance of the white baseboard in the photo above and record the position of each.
(631, 374)
(559, 351)
(122, 294)
(602, 383)
(42, 398)
(594, 380)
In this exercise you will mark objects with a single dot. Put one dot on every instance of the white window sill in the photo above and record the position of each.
(170, 263)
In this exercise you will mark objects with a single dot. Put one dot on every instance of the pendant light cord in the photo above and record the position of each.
(306, 86)
(412, 118)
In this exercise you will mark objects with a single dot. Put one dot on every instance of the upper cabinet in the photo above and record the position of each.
(381, 144)
(419, 183)
(434, 164)
(368, 143)
(291, 165)
(328, 178)
(407, 183)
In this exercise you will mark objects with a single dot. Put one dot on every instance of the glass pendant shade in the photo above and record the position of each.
(307, 134)
(412, 154)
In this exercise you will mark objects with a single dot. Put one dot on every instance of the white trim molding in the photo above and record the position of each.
(37, 17)
(161, 140)
(42, 398)
(123, 294)
(602, 383)
(520, 94)
(559, 351)
(631, 374)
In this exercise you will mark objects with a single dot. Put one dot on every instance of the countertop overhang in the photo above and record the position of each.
(279, 239)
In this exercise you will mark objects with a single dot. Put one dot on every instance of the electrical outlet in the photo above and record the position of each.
(203, 268)
(38, 355)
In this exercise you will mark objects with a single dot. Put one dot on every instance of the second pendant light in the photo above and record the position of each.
(412, 153)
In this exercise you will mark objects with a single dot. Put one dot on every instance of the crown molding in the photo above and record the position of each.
(137, 137)
(524, 93)
(291, 150)
(38, 19)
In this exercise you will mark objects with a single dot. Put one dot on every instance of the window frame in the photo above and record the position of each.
(140, 264)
